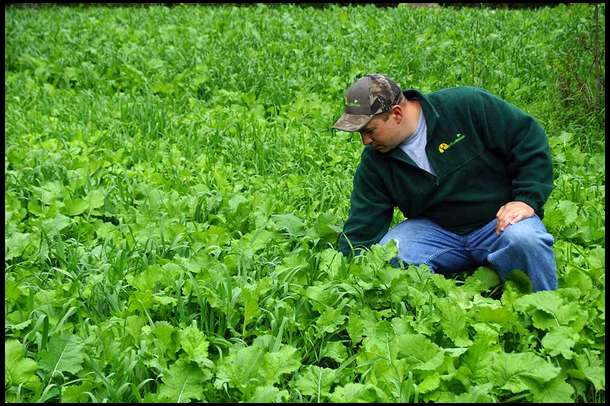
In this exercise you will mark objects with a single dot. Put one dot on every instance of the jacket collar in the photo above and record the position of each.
(431, 115)
(430, 111)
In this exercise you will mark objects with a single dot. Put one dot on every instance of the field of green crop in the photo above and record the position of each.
(174, 192)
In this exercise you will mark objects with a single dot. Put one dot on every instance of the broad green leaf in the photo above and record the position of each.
(195, 344)
(250, 300)
(139, 301)
(276, 364)
(364, 323)
(238, 205)
(453, 322)
(478, 360)
(569, 211)
(106, 231)
(170, 272)
(250, 296)
(486, 333)
(548, 301)
(326, 226)
(165, 300)
(482, 279)
(554, 391)
(74, 207)
(133, 326)
(578, 278)
(19, 326)
(476, 394)
(63, 354)
(357, 393)
(77, 393)
(331, 262)
(520, 280)
(265, 342)
(289, 222)
(429, 383)
(147, 279)
(597, 258)
(12, 289)
(382, 330)
(375, 349)
(216, 235)
(319, 294)
(544, 320)
(242, 367)
(183, 383)
(355, 328)
(496, 314)
(95, 198)
(385, 252)
(50, 191)
(416, 297)
(34, 207)
(165, 337)
(54, 226)
(16, 244)
(293, 268)
(334, 350)
(514, 371)
(330, 320)
(259, 239)
(316, 382)
(419, 351)
(560, 340)
(163, 88)
(269, 394)
(18, 369)
(592, 367)
(388, 274)
(385, 372)
(399, 288)
(403, 325)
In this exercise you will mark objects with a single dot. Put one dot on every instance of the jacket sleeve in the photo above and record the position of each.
(522, 142)
(370, 213)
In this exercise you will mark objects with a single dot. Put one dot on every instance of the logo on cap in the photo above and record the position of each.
(353, 103)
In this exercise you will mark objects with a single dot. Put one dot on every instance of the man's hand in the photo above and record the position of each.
(511, 213)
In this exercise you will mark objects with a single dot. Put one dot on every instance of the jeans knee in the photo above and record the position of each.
(526, 238)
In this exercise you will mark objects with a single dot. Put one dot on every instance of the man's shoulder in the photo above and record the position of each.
(369, 155)
(459, 100)
(458, 92)
(370, 159)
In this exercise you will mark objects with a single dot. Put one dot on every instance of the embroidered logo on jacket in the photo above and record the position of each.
(444, 147)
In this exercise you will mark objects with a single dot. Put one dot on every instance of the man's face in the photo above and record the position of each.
(383, 135)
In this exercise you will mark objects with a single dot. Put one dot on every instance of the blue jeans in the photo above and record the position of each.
(525, 245)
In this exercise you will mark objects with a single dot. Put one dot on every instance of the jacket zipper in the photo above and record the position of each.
(435, 177)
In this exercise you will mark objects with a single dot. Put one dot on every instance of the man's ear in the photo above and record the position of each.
(399, 112)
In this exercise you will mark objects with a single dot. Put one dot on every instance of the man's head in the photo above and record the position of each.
(376, 107)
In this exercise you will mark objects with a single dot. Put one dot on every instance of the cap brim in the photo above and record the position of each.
(351, 122)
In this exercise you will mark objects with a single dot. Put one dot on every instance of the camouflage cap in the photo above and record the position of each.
(372, 94)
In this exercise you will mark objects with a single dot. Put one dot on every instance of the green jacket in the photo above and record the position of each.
(485, 152)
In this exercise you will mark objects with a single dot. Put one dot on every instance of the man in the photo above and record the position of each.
(469, 171)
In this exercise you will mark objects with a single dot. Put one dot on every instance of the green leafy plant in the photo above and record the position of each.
(173, 197)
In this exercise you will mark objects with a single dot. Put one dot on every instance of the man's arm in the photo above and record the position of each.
(523, 144)
(370, 213)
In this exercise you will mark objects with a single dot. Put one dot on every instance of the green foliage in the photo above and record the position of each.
(19, 370)
(173, 196)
